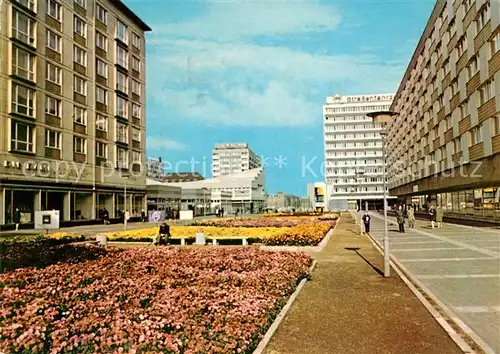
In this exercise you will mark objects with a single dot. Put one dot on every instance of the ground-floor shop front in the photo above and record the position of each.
(478, 202)
(76, 204)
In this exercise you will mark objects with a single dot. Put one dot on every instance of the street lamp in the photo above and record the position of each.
(125, 203)
(381, 119)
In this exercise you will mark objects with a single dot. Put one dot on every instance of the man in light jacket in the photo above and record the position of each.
(439, 216)
(411, 217)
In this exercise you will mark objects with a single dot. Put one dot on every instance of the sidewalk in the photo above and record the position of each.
(348, 307)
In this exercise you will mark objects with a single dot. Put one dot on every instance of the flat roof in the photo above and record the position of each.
(126, 10)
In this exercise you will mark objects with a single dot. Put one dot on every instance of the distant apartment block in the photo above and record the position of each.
(155, 169)
(233, 158)
(444, 147)
(175, 177)
(72, 96)
(353, 151)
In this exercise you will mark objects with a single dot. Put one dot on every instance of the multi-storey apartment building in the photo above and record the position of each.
(155, 169)
(72, 116)
(232, 158)
(353, 151)
(444, 147)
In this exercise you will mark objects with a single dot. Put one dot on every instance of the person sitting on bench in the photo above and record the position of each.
(163, 235)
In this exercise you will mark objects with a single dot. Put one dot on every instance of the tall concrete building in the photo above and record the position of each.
(353, 151)
(233, 158)
(72, 96)
(155, 169)
(444, 147)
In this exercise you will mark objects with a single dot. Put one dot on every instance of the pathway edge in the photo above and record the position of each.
(454, 335)
(277, 321)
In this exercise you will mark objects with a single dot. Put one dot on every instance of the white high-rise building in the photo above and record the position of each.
(233, 158)
(353, 151)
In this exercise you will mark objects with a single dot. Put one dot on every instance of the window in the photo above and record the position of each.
(53, 74)
(495, 44)
(23, 28)
(101, 150)
(136, 111)
(121, 107)
(101, 14)
(461, 46)
(121, 57)
(102, 68)
(53, 106)
(136, 64)
(454, 87)
(483, 18)
(80, 2)
(136, 87)
(121, 82)
(54, 9)
(30, 4)
(136, 41)
(80, 27)
(101, 122)
(79, 145)
(101, 95)
(121, 157)
(80, 56)
(23, 64)
(136, 157)
(80, 86)
(121, 133)
(487, 92)
(80, 115)
(497, 125)
(464, 109)
(21, 137)
(23, 100)
(473, 67)
(136, 134)
(457, 145)
(121, 32)
(53, 139)
(101, 41)
(476, 135)
(53, 41)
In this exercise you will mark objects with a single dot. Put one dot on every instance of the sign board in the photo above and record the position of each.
(186, 215)
(46, 220)
(156, 216)
(415, 188)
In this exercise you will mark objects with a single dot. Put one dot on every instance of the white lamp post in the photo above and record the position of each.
(125, 203)
(381, 119)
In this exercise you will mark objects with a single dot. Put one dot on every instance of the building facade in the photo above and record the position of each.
(232, 158)
(282, 201)
(156, 169)
(445, 144)
(72, 116)
(353, 151)
(316, 194)
(182, 177)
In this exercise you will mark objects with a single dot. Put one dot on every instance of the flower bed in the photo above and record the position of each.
(168, 300)
(302, 235)
(259, 222)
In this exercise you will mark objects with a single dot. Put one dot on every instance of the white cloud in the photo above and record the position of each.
(210, 69)
(236, 19)
(157, 143)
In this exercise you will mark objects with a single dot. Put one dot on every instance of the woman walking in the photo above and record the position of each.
(411, 217)
(432, 215)
(401, 219)
(439, 216)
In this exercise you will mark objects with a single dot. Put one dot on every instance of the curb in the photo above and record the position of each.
(426, 294)
(277, 321)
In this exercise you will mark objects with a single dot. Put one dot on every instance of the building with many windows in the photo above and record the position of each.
(353, 151)
(445, 144)
(72, 117)
(232, 158)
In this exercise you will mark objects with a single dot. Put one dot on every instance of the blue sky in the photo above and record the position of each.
(259, 72)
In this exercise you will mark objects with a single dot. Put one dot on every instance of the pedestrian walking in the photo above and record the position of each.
(411, 217)
(126, 216)
(366, 220)
(143, 216)
(222, 212)
(17, 218)
(401, 219)
(432, 215)
(439, 216)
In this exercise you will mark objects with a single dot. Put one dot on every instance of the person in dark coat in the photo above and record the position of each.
(163, 235)
(432, 215)
(17, 218)
(143, 216)
(366, 220)
(222, 212)
(400, 218)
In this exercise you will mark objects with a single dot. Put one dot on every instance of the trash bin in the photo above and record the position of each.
(200, 239)
(102, 240)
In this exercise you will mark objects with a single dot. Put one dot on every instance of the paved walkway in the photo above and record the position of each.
(348, 307)
(459, 264)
